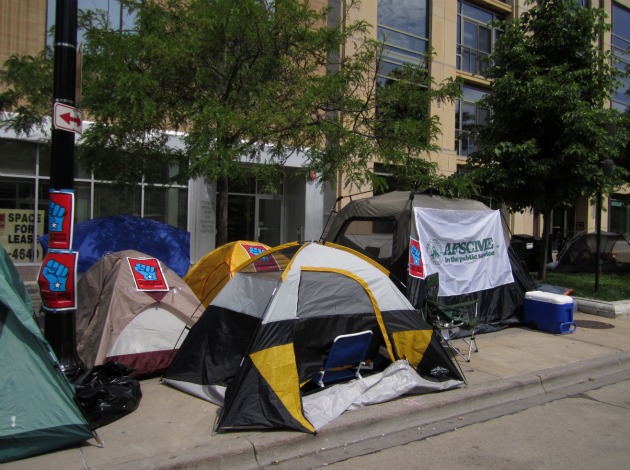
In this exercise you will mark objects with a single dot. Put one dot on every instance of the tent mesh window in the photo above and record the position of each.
(375, 238)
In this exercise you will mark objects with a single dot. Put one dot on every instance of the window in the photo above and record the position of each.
(467, 116)
(385, 172)
(17, 157)
(253, 213)
(118, 16)
(403, 30)
(112, 200)
(475, 37)
(402, 26)
(620, 47)
(24, 190)
(166, 204)
(620, 214)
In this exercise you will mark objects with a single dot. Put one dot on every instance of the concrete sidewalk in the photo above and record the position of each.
(171, 429)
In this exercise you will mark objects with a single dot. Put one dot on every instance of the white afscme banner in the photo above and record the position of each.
(467, 249)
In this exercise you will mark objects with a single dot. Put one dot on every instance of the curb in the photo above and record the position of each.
(619, 309)
(409, 413)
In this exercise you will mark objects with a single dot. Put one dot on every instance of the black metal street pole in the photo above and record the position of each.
(598, 236)
(59, 326)
(608, 168)
(62, 161)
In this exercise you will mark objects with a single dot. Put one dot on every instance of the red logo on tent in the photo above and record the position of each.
(254, 250)
(147, 274)
(57, 280)
(266, 263)
(416, 268)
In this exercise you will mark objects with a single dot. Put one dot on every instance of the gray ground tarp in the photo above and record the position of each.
(397, 380)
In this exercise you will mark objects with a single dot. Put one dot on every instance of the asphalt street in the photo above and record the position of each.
(586, 430)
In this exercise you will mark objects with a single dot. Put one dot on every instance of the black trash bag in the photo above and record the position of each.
(107, 393)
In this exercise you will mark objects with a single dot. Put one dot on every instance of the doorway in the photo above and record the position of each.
(269, 219)
(255, 217)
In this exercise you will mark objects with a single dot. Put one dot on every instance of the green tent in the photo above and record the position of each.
(38, 413)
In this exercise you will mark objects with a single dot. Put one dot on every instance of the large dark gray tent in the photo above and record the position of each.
(38, 413)
(381, 227)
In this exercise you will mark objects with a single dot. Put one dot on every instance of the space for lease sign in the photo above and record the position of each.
(467, 248)
(17, 233)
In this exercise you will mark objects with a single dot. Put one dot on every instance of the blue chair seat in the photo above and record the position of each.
(346, 357)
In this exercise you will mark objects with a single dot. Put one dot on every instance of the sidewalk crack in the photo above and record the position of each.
(255, 451)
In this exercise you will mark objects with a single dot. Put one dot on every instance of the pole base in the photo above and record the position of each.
(59, 331)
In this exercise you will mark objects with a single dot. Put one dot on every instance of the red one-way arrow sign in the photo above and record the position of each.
(67, 118)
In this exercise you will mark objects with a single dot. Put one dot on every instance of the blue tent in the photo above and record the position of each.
(97, 237)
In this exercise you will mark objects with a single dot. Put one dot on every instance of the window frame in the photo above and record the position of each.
(620, 46)
(394, 53)
(460, 131)
(469, 59)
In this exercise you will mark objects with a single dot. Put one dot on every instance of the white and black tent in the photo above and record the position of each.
(265, 337)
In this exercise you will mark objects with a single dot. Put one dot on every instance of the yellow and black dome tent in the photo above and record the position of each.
(265, 335)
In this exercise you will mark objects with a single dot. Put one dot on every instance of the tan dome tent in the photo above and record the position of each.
(118, 321)
(208, 276)
(263, 341)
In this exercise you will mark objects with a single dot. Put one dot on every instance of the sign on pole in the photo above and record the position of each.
(60, 219)
(57, 280)
(67, 118)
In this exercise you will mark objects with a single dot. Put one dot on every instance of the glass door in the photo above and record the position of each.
(241, 217)
(269, 220)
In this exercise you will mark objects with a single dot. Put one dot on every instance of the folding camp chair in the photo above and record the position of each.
(456, 322)
(346, 357)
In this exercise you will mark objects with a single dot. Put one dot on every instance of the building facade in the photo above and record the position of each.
(461, 38)
(457, 31)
